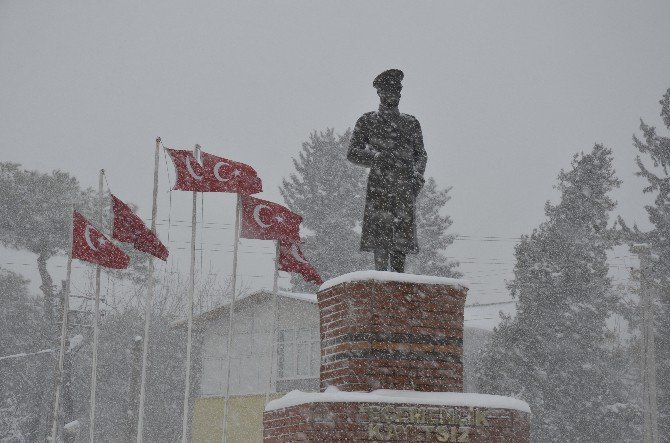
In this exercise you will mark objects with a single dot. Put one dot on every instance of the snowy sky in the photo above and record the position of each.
(506, 92)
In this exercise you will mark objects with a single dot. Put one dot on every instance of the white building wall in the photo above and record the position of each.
(251, 345)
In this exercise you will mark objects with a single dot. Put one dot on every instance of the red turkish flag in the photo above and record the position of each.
(265, 220)
(91, 245)
(216, 174)
(229, 176)
(291, 259)
(129, 228)
(191, 175)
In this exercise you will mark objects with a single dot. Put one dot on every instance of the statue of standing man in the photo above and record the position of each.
(391, 145)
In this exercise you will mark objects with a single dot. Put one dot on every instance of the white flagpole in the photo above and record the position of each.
(191, 291)
(238, 210)
(96, 319)
(63, 333)
(150, 295)
(275, 322)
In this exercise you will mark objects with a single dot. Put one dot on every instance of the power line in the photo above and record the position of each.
(27, 354)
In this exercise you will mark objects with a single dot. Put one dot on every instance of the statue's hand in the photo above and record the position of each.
(384, 159)
(380, 144)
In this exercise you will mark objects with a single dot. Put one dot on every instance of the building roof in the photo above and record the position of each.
(223, 307)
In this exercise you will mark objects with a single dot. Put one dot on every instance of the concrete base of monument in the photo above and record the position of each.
(392, 415)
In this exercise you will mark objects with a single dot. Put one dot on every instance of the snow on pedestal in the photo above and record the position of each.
(391, 369)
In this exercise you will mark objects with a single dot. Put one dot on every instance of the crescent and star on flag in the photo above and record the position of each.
(297, 254)
(102, 240)
(91, 245)
(217, 170)
(257, 216)
(190, 169)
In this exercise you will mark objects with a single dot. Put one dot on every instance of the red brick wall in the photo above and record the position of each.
(338, 422)
(390, 335)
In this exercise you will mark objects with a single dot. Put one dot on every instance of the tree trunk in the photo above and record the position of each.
(40, 405)
(47, 288)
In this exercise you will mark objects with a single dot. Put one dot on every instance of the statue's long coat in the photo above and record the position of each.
(395, 178)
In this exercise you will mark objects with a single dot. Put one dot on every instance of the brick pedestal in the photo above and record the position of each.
(391, 369)
(392, 335)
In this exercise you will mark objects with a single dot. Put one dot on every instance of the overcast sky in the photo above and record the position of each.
(506, 93)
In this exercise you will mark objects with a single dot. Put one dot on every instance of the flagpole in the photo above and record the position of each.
(191, 291)
(63, 333)
(96, 319)
(149, 302)
(273, 332)
(238, 210)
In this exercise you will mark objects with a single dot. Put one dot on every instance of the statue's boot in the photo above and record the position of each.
(397, 261)
(382, 260)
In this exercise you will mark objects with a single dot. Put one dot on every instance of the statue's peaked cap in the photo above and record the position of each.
(391, 79)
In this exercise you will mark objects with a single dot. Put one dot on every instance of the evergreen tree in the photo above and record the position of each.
(432, 229)
(329, 192)
(656, 149)
(556, 353)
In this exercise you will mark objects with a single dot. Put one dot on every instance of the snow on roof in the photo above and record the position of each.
(333, 395)
(487, 315)
(214, 312)
(385, 276)
(303, 296)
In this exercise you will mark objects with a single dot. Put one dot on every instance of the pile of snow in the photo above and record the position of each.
(386, 276)
(334, 395)
(75, 342)
(72, 428)
(303, 296)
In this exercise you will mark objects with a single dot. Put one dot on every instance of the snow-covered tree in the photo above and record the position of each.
(329, 192)
(35, 211)
(556, 353)
(21, 332)
(19, 315)
(11, 418)
(35, 216)
(653, 163)
(432, 225)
